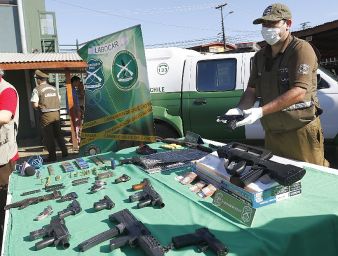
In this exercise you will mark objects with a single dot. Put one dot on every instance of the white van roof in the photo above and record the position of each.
(170, 52)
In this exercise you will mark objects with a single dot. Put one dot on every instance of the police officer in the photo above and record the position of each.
(46, 99)
(284, 80)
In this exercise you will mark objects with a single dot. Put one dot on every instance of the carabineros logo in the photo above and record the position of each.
(95, 77)
(124, 70)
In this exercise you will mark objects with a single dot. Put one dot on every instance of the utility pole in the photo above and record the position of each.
(223, 33)
(305, 25)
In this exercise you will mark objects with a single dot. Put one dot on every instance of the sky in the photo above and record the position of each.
(177, 22)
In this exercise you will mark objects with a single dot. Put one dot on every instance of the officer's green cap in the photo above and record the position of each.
(40, 74)
(274, 12)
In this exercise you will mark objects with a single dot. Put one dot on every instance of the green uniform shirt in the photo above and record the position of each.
(295, 65)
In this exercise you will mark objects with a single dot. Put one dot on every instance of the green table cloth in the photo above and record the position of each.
(302, 225)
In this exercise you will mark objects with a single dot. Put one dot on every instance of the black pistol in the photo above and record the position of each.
(204, 239)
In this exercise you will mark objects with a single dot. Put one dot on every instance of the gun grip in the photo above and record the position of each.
(118, 242)
(236, 168)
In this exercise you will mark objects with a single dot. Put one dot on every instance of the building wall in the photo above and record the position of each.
(32, 9)
(9, 29)
(10, 37)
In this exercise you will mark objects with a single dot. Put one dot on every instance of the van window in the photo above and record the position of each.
(216, 75)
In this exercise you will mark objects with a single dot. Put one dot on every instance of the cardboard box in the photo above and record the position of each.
(262, 192)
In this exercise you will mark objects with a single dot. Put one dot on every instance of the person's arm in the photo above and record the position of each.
(290, 97)
(35, 99)
(248, 98)
(35, 105)
(8, 104)
(5, 117)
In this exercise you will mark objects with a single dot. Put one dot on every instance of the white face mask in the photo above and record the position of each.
(271, 35)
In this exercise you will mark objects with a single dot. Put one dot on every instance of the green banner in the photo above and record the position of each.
(118, 111)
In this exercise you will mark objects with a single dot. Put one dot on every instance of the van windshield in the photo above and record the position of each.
(328, 72)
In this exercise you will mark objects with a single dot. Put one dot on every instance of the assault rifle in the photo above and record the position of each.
(148, 196)
(240, 156)
(133, 233)
(33, 200)
(204, 239)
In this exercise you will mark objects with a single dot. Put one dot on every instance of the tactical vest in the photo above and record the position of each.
(8, 132)
(48, 98)
(271, 84)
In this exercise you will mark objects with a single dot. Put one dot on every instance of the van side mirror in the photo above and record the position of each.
(321, 83)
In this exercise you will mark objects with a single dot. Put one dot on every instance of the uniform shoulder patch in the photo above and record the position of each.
(303, 69)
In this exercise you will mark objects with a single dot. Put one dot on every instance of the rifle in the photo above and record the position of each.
(204, 239)
(240, 156)
(134, 233)
(148, 196)
(33, 200)
(55, 233)
(165, 159)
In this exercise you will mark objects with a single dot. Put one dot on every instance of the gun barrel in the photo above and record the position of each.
(44, 243)
(99, 238)
(37, 233)
(20, 204)
(136, 196)
(159, 203)
(144, 203)
(64, 242)
(72, 209)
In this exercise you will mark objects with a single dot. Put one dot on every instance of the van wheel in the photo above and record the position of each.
(165, 131)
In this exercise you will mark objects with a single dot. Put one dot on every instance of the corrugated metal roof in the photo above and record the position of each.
(38, 57)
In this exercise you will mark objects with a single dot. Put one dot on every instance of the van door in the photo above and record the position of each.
(327, 86)
(216, 85)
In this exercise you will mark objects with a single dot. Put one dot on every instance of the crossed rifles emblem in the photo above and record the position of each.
(93, 74)
(124, 71)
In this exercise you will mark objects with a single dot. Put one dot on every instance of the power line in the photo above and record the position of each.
(183, 43)
(128, 18)
(200, 41)
(183, 8)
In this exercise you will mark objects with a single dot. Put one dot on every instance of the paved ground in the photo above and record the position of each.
(30, 147)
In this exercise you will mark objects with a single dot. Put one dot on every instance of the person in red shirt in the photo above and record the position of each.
(9, 120)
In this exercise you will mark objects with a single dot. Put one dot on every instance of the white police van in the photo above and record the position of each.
(189, 90)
